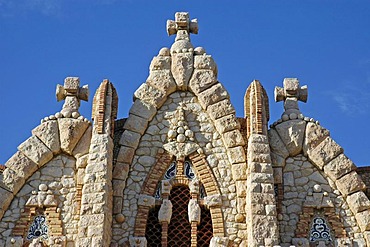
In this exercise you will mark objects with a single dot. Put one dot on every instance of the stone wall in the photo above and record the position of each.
(209, 140)
(305, 187)
(59, 175)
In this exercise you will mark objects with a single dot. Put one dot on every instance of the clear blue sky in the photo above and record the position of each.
(326, 44)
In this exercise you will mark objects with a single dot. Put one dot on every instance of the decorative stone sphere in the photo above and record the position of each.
(180, 130)
(239, 218)
(67, 114)
(43, 187)
(171, 134)
(181, 138)
(120, 218)
(285, 117)
(189, 133)
(164, 51)
(58, 115)
(75, 114)
(181, 123)
(199, 51)
(317, 188)
(280, 217)
(293, 116)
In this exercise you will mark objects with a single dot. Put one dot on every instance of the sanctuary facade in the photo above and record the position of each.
(182, 169)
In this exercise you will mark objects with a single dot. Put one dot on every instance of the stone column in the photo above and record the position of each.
(262, 222)
(95, 226)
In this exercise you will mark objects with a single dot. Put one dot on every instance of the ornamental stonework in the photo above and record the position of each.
(182, 169)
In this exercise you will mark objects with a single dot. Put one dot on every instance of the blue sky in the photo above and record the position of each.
(326, 44)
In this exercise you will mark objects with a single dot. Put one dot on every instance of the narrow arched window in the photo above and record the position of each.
(179, 229)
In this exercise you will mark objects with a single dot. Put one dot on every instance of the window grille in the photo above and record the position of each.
(153, 231)
(205, 230)
(179, 230)
(38, 228)
(320, 230)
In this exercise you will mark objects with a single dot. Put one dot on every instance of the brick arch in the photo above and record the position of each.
(39, 149)
(293, 137)
(205, 175)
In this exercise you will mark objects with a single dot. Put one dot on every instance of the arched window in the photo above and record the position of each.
(179, 232)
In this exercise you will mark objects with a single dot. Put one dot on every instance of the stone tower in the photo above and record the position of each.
(181, 169)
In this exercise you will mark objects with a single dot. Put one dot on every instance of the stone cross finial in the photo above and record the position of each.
(72, 93)
(182, 22)
(291, 93)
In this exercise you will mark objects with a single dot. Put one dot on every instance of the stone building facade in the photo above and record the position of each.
(182, 169)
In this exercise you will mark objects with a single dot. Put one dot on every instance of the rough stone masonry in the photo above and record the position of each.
(182, 169)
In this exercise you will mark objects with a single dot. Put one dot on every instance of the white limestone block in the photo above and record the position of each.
(130, 139)
(213, 200)
(323, 153)
(36, 150)
(202, 80)
(194, 211)
(220, 109)
(150, 96)
(165, 212)
(292, 135)
(350, 183)
(83, 145)
(338, 167)
(143, 110)
(136, 124)
(71, 131)
(313, 136)
(358, 202)
(213, 95)
(276, 144)
(48, 133)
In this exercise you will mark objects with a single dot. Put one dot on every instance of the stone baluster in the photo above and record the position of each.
(165, 212)
(194, 211)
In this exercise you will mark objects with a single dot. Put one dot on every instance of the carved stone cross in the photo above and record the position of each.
(182, 22)
(72, 93)
(291, 93)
